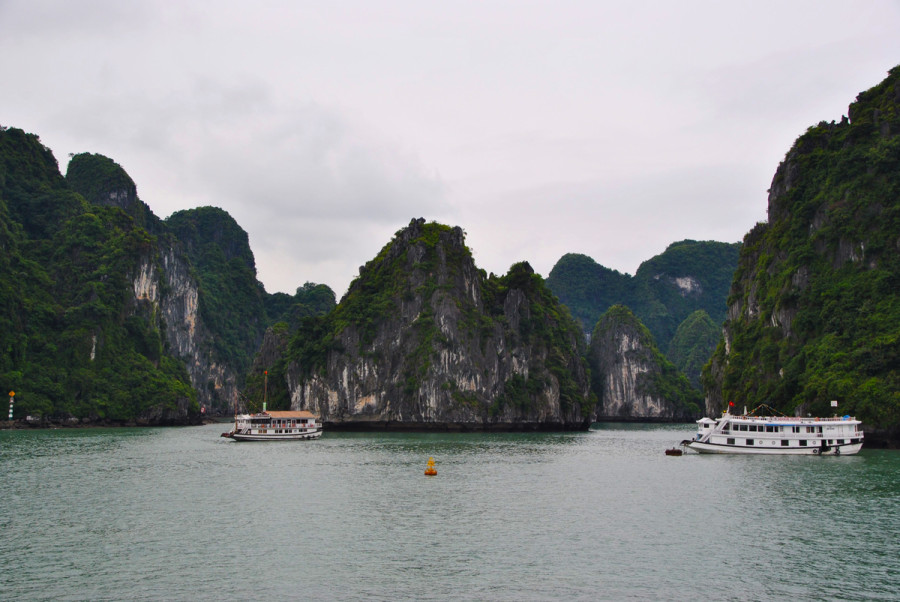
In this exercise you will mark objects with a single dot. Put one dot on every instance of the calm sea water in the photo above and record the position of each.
(181, 514)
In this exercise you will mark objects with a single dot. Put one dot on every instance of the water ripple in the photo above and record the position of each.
(181, 514)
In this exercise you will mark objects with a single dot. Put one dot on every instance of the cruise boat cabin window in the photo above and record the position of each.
(749, 441)
(803, 442)
(784, 443)
(729, 441)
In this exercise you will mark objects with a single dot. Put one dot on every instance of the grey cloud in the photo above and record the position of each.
(604, 127)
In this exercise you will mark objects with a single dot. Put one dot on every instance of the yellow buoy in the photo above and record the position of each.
(430, 470)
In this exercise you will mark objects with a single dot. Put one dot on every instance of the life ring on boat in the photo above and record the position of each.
(816, 451)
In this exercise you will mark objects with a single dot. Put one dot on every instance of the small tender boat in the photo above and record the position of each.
(673, 451)
(749, 434)
(275, 426)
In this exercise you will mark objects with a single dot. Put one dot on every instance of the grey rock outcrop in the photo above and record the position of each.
(166, 293)
(632, 379)
(424, 339)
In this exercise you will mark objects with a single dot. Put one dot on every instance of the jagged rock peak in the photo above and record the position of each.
(418, 235)
(102, 181)
(424, 339)
(875, 114)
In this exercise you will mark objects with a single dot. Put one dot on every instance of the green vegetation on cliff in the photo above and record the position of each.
(587, 288)
(231, 300)
(309, 300)
(678, 295)
(688, 276)
(693, 344)
(549, 323)
(102, 181)
(77, 336)
(818, 286)
(71, 343)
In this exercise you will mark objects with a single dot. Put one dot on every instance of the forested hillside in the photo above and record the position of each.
(665, 293)
(109, 314)
(814, 311)
(75, 341)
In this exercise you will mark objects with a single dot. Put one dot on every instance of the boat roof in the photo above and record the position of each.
(287, 414)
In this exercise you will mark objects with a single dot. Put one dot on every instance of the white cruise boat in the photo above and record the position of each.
(748, 434)
(275, 426)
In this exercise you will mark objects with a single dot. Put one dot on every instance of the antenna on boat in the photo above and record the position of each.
(265, 389)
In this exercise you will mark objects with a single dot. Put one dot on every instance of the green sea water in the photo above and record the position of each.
(182, 514)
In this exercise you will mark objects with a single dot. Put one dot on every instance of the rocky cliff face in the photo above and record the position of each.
(110, 315)
(813, 305)
(632, 379)
(425, 339)
(165, 289)
(165, 285)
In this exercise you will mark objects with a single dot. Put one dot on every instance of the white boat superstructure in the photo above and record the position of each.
(747, 434)
(275, 426)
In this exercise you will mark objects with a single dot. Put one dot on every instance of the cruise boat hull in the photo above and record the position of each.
(283, 437)
(834, 450)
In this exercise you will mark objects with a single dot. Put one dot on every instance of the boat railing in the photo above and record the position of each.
(792, 418)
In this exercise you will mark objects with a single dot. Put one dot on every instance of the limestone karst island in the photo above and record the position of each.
(111, 315)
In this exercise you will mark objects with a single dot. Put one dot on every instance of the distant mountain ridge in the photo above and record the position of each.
(665, 292)
(687, 276)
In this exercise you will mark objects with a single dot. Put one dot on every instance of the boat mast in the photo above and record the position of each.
(265, 389)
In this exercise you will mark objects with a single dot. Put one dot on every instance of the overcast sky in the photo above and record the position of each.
(607, 128)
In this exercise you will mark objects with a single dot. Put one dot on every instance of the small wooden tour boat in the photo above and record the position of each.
(288, 425)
